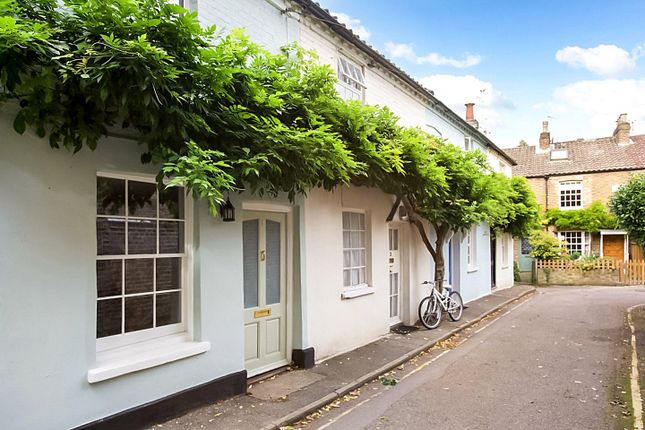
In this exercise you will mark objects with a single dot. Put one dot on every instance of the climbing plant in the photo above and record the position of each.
(219, 113)
(591, 219)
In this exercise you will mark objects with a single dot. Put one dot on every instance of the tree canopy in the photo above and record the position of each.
(628, 204)
(220, 113)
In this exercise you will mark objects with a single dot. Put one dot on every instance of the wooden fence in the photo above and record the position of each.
(573, 264)
(631, 272)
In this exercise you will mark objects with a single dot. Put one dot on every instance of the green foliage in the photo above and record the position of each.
(518, 210)
(628, 204)
(516, 272)
(545, 246)
(219, 113)
(147, 66)
(591, 219)
(587, 262)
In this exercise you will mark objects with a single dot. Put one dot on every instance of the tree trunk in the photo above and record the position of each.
(439, 262)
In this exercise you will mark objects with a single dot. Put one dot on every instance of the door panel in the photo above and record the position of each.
(613, 246)
(264, 248)
(526, 261)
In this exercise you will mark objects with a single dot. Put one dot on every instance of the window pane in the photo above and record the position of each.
(142, 236)
(362, 259)
(171, 203)
(110, 236)
(347, 261)
(356, 257)
(110, 196)
(168, 273)
(355, 276)
(138, 313)
(361, 276)
(346, 241)
(142, 199)
(168, 308)
(346, 216)
(346, 278)
(138, 276)
(171, 237)
(108, 317)
(108, 278)
(273, 245)
(250, 236)
(355, 239)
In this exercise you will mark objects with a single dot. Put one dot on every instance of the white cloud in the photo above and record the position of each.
(353, 24)
(601, 101)
(604, 60)
(455, 91)
(404, 50)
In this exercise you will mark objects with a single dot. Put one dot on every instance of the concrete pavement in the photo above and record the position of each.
(560, 360)
(290, 396)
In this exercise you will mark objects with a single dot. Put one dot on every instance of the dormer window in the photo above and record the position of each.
(351, 80)
(559, 152)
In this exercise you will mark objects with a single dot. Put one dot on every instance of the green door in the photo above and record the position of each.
(526, 261)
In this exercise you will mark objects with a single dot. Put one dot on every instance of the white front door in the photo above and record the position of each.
(394, 263)
(265, 325)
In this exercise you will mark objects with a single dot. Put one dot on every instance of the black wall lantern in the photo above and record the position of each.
(228, 211)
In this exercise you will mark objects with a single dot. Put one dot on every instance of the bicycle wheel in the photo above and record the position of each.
(430, 312)
(455, 306)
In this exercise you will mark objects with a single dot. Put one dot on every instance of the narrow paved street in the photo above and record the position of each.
(555, 361)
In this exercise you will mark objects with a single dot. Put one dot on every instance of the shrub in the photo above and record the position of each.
(547, 247)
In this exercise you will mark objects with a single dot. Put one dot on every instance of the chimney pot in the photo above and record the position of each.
(622, 130)
(545, 136)
(470, 115)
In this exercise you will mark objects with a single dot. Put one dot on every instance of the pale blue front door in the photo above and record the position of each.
(526, 261)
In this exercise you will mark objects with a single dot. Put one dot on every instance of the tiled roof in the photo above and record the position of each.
(326, 17)
(584, 155)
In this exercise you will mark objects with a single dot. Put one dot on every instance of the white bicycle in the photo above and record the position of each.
(432, 306)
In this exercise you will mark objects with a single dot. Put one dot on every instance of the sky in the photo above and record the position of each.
(578, 64)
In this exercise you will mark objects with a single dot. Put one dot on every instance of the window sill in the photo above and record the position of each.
(356, 292)
(143, 355)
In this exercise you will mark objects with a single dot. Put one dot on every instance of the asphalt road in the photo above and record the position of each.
(557, 361)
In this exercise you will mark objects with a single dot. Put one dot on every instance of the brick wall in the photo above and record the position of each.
(548, 276)
(595, 186)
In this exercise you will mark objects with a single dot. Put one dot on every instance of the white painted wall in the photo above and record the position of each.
(334, 324)
(48, 289)
(504, 270)
(262, 20)
(476, 282)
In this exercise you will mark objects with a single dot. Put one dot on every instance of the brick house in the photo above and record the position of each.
(572, 175)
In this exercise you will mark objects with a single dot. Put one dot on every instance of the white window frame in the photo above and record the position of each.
(468, 143)
(105, 344)
(362, 286)
(570, 187)
(471, 249)
(351, 79)
(584, 244)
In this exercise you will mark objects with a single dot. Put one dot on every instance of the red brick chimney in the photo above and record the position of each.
(470, 115)
(621, 133)
(545, 136)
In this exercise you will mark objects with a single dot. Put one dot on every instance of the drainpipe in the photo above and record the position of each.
(546, 192)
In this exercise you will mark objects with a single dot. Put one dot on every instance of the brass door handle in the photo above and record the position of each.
(263, 255)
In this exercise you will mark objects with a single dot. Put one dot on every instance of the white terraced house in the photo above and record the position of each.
(123, 303)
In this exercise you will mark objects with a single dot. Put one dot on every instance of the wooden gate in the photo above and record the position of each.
(631, 272)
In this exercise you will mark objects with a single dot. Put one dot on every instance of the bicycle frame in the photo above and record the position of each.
(442, 298)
